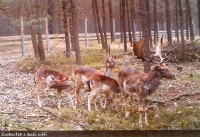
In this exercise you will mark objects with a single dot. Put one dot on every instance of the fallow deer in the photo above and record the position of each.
(83, 73)
(47, 78)
(101, 84)
(143, 85)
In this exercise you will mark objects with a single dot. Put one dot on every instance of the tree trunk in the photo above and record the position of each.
(176, 21)
(75, 28)
(39, 30)
(121, 21)
(104, 26)
(190, 20)
(34, 40)
(186, 20)
(33, 32)
(99, 23)
(95, 22)
(133, 6)
(155, 22)
(51, 14)
(149, 23)
(124, 24)
(198, 3)
(168, 22)
(129, 21)
(145, 32)
(66, 27)
(181, 21)
(111, 21)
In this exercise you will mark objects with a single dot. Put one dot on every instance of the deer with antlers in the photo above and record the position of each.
(83, 73)
(47, 78)
(143, 84)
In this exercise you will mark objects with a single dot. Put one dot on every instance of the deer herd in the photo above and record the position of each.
(98, 83)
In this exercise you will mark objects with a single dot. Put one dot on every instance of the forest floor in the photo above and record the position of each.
(175, 105)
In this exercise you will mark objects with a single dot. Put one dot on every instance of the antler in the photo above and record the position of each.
(138, 46)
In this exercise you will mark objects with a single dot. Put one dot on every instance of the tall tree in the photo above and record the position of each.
(104, 26)
(190, 20)
(176, 20)
(155, 22)
(124, 25)
(51, 14)
(128, 18)
(145, 32)
(186, 20)
(121, 21)
(198, 6)
(39, 30)
(66, 26)
(111, 20)
(181, 21)
(33, 30)
(96, 5)
(168, 21)
(95, 21)
(75, 29)
(133, 7)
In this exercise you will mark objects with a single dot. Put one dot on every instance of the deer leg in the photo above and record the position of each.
(59, 97)
(71, 100)
(140, 103)
(146, 112)
(38, 98)
(77, 95)
(105, 101)
(90, 97)
(125, 104)
(103, 105)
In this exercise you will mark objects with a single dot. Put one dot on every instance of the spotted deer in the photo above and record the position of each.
(47, 78)
(102, 85)
(143, 84)
(83, 73)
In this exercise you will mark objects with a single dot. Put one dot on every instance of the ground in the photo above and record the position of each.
(19, 110)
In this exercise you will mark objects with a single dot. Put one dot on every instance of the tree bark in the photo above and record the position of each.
(50, 10)
(133, 6)
(111, 20)
(155, 22)
(124, 24)
(190, 20)
(168, 22)
(75, 28)
(181, 21)
(145, 33)
(39, 30)
(66, 27)
(198, 3)
(95, 22)
(128, 11)
(176, 21)
(104, 26)
(99, 23)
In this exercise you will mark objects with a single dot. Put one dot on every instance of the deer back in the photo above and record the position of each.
(99, 80)
(41, 76)
(84, 73)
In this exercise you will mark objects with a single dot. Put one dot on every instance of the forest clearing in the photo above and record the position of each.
(174, 105)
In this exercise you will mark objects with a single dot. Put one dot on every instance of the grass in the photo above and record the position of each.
(166, 117)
